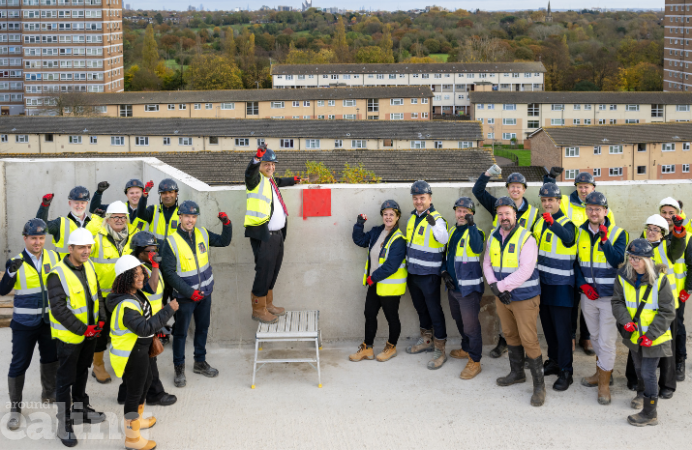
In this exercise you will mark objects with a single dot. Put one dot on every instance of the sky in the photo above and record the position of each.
(490, 5)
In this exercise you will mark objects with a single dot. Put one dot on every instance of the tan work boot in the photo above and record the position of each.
(276, 310)
(424, 343)
(458, 354)
(604, 386)
(439, 355)
(134, 440)
(472, 369)
(99, 371)
(591, 381)
(259, 310)
(145, 423)
(388, 353)
(364, 352)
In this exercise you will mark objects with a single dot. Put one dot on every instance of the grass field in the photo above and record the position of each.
(441, 57)
(523, 155)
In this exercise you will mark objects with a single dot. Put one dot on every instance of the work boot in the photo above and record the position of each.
(99, 371)
(647, 416)
(16, 386)
(585, 344)
(82, 413)
(276, 310)
(145, 423)
(388, 353)
(48, 374)
(203, 368)
(179, 380)
(423, 344)
(666, 393)
(134, 440)
(604, 386)
(516, 364)
(259, 310)
(591, 381)
(563, 381)
(65, 432)
(638, 401)
(439, 356)
(364, 352)
(472, 369)
(551, 367)
(459, 354)
(680, 370)
(164, 399)
(500, 349)
(536, 367)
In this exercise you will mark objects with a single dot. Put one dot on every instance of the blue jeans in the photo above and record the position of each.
(425, 293)
(465, 312)
(201, 310)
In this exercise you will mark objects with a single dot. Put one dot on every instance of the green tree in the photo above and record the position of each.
(229, 48)
(246, 48)
(387, 45)
(159, 18)
(370, 54)
(433, 45)
(209, 72)
(339, 44)
(150, 51)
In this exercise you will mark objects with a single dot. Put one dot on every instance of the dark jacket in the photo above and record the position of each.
(58, 301)
(567, 234)
(252, 179)
(486, 199)
(169, 261)
(476, 240)
(675, 246)
(397, 251)
(664, 316)
(614, 253)
(135, 321)
(53, 227)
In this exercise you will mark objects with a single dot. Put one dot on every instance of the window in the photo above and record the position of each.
(576, 107)
(424, 101)
(597, 150)
(414, 115)
(491, 121)
(312, 143)
(670, 147)
(557, 107)
(532, 123)
(686, 146)
(242, 142)
(615, 149)
(350, 117)
(358, 144)
(93, 139)
(187, 141)
(601, 121)
(396, 101)
(632, 108)
(587, 107)
(509, 107)
(227, 105)
(613, 107)
(373, 105)
(641, 147)
(396, 116)
(331, 116)
(491, 135)
(508, 121)
(349, 103)
(142, 141)
(417, 144)
(3, 138)
(277, 105)
(587, 121)
(601, 107)
(214, 140)
(252, 108)
(685, 168)
(286, 143)
(576, 121)
(571, 152)
(126, 110)
(260, 141)
(682, 108)
(533, 109)
(509, 136)
(198, 106)
(208, 106)
(670, 168)
(338, 143)
(465, 144)
(480, 106)
(424, 115)
(641, 170)
(47, 138)
(615, 171)
(118, 140)
(150, 108)
(557, 122)
(631, 120)
(166, 141)
(438, 144)
(571, 174)
(331, 102)
(306, 103)
(612, 121)
(597, 172)
(182, 106)
(414, 101)
(75, 139)
(656, 110)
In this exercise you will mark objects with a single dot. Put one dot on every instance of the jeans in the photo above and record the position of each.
(268, 258)
(646, 372)
(23, 344)
(137, 377)
(155, 391)
(465, 312)
(201, 311)
(390, 307)
(425, 293)
(556, 327)
(73, 373)
(603, 327)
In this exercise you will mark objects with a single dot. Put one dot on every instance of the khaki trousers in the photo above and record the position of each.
(518, 320)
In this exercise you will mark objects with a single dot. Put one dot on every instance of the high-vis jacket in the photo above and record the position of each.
(572, 207)
(555, 259)
(504, 258)
(395, 284)
(661, 257)
(67, 226)
(592, 260)
(122, 339)
(192, 265)
(424, 255)
(527, 220)
(680, 270)
(633, 298)
(467, 263)
(155, 299)
(258, 203)
(104, 255)
(31, 306)
(158, 225)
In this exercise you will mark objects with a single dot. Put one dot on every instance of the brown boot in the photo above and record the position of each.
(145, 423)
(459, 354)
(388, 353)
(364, 352)
(259, 310)
(276, 310)
(591, 381)
(439, 356)
(472, 369)
(424, 343)
(134, 440)
(99, 371)
(604, 386)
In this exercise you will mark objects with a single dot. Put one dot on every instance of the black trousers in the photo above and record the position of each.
(390, 307)
(137, 377)
(102, 340)
(556, 321)
(155, 390)
(72, 376)
(681, 336)
(667, 378)
(268, 258)
(425, 294)
(578, 317)
(24, 341)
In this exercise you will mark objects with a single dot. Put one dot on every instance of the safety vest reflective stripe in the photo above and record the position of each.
(506, 261)
(30, 311)
(159, 227)
(593, 263)
(395, 284)
(192, 264)
(122, 339)
(555, 260)
(649, 311)
(425, 255)
(105, 259)
(66, 227)
(101, 259)
(76, 299)
(179, 268)
(661, 257)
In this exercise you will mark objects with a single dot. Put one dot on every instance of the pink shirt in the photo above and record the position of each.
(527, 263)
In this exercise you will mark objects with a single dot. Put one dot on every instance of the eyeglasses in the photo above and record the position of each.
(119, 218)
(653, 230)
(594, 210)
(635, 258)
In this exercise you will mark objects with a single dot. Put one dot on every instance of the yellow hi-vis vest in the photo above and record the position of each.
(680, 269)
(661, 257)
(577, 212)
(506, 261)
(632, 301)
(193, 265)
(104, 255)
(158, 225)
(67, 226)
(259, 203)
(76, 300)
(424, 255)
(122, 339)
(555, 261)
(156, 299)
(593, 263)
(527, 219)
(395, 284)
(30, 293)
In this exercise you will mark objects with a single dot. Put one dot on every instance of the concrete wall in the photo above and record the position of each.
(322, 267)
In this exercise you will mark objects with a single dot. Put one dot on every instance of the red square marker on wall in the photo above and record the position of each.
(317, 203)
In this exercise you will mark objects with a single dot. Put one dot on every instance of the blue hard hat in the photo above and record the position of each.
(596, 198)
(516, 177)
(420, 187)
(584, 177)
(465, 202)
(505, 201)
(641, 247)
(189, 207)
(550, 190)
(143, 239)
(134, 183)
(168, 185)
(79, 193)
(269, 156)
(34, 227)
(390, 204)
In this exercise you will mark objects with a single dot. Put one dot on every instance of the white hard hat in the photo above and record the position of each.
(125, 263)
(659, 221)
(81, 236)
(669, 201)
(117, 207)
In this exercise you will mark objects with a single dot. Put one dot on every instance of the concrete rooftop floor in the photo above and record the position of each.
(367, 405)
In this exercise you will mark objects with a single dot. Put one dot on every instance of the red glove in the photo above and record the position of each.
(677, 221)
(645, 341)
(223, 217)
(297, 179)
(92, 331)
(369, 281)
(684, 296)
(603, 230)
(631, 327)
(153, 260)
(46, 200)
(589, 291)
(148, 187)
(197, 296)
(548, 218)
(260, 152)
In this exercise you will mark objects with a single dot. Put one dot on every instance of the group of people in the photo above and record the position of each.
(562, 260)
(120, 272)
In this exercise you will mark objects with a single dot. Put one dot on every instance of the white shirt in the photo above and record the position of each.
(278, 218)
(440, 232)
(36, 261)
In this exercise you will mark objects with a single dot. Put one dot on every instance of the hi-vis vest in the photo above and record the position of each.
(467, 264)
(395, 284)
(661, 257)
(577, 212)
(76, 300)
(158, 225)
(31, 304)
(156, 299)
(193, 265)
(122, 339)
(632, 301)
(259, 203)
(67, 226)
(592, 261)
(555, 261)
(680, 269)
(104, 255)
(527, 219)
(505, 261)
(425, 255)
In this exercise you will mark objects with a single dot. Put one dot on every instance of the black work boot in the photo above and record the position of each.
(563, 381)
(64, 431)
(680, 370)
(48, 374)
(647, 416)
(180, 380)
(500, 349)
(203, 368)
(536, 367)
(516, 364)
(638, 401)
(551, 367)
(16, 386)
(84, 413)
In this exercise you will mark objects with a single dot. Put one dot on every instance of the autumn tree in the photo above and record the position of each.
(246, 48)
(229, 47)
(339, 44)
(371, 54)
(299, 56)
(150, 51)
(387, 45)
(209, 72)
